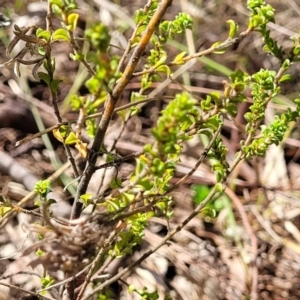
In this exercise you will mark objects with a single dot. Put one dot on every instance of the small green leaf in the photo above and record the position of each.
(220, 50)
(134, 110)
(141, 29)
(128, 197)
(122, 114)
(57, 10)
(219, 187)
(42, 188)
(139, 16)
(145, 83)
(115, 183)
(45, 77)
(286, 64)
(212, 123)
(285, 77)
(114, 205)
(233, 28)
(38, 31)
(71, 139)
(179, 59)
(54, 85)
(201, 192)
(45, 34)
(297, 50)
(209, 212)
(4, 210)
(72, 21)
(60, 34)
(164, 69)
(215, 95)
(71, 5)
(79, 56)
(131, 288)
(162, 58)
(59, 3)
(231, 108)
(38, 203)
(47, 281)
(41, 51)
(85, 199)
(39, 252)
(63, 130)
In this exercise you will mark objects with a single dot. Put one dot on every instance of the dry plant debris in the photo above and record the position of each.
(250, 248)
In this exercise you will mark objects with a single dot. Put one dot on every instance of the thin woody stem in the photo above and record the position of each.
(128, 48)
(89, 117)
(223, 46)
(50, 70)
(112, 100)
(214, 192)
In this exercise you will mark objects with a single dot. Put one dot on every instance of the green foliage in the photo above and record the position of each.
(62, 8)
(144, 294)
(260, 14)
(42, 188)
(146, 193)
(132, 237)
(263, 87)
(39, 252)
(104, 76)
(233, 29)
(61, 34)
(106, 73)
(271, 134)
(212, 209)
(168, 29)
(46, 282)
(219, 162)
(179, 115)
(143, 16)
(99, 37)
(156, 61)
(5, 208)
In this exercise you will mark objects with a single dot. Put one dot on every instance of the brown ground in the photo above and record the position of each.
(250, 248)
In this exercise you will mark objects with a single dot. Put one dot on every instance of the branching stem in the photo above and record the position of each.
(112, 100)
